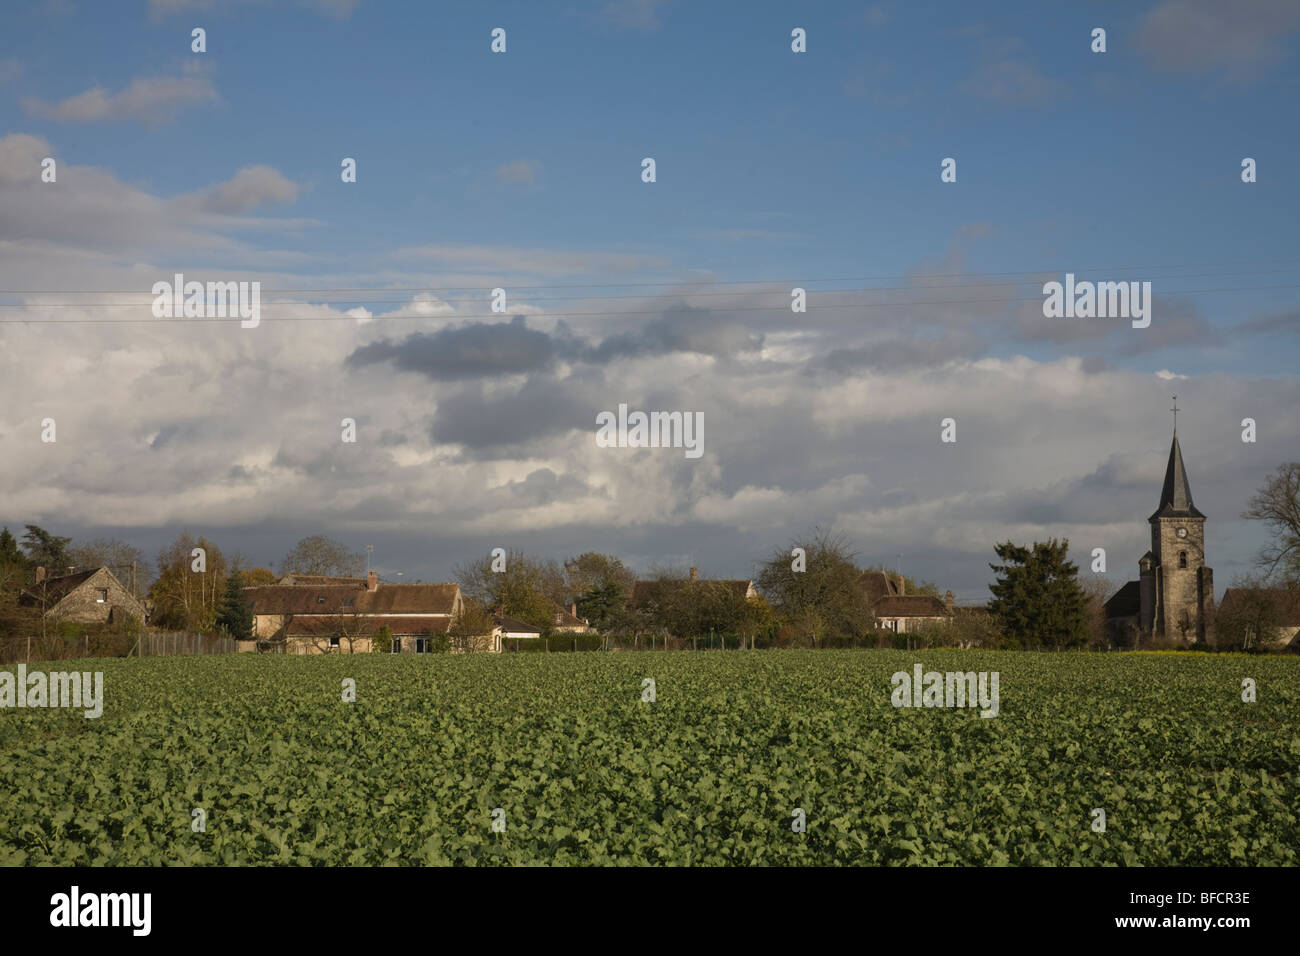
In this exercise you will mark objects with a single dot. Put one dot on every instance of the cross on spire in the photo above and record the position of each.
(1175, 411)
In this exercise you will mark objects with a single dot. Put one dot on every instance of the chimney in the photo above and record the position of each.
(902, 586)
(947, 599)
(695, 574)
(373, 583)
(40, 575)
(573, 608)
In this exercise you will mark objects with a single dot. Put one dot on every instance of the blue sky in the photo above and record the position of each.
(774, 169)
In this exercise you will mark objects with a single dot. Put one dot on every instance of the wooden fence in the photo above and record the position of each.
(159, 643)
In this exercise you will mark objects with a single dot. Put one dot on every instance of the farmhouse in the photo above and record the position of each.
(1280, 607)
(311, 615)
(898, 611)
(646, 593)
(568, 622)
(87, 597)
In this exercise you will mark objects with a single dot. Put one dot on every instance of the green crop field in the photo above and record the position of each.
(712, 772)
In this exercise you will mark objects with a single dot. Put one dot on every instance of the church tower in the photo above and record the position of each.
(1176, 588)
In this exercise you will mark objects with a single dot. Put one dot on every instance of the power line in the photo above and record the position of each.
(385, 316)
(730, 282)
(603, 298)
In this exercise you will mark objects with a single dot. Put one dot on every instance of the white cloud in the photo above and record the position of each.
(148, 101)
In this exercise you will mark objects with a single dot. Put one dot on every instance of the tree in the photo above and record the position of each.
(1250, 618)
(235, 615)
(259, 577)
(1037, 599)
(118, 556)
(45, 550)
(527, 589)
(1096, 590)
(473, 627)
(1277, 504)
(382, 642)
(824, 599)
(322, 556)
(600, 584)
(186, 599)
(9, 552)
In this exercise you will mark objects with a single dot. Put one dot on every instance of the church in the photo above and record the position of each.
(1173, 597)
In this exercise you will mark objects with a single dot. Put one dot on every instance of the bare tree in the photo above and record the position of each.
(1277, 504)
(322, 556)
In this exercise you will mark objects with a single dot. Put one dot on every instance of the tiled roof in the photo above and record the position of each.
(334, 599)
(511, 625)
(878, 585)
(1286, 603)
(1126, 602)
(316, 580)
(54, 590)
(1176, 495)
(910, 605)
(646, 592)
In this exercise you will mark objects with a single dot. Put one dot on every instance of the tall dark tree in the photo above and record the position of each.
(235, 615)
(1037, 599)
(45, 550)
(9, 552)
(601, 585)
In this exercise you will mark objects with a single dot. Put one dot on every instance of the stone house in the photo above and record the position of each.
(87, 597)
(645, 593)
(312, 615)
(900, 612)
(568, 622)
(1285, 610)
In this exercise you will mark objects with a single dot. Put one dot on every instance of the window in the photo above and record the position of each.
(397, 645)
(320, 599)
(347, 602)
(101, 596)
(1182, 559)
(421, 645)
(334, 642)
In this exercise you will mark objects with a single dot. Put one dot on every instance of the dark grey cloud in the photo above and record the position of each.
(682, 328)
(543, 408)
(473, 350)
(544, 486)
(479, 350)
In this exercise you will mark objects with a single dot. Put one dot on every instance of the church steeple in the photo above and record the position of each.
(1176, 495)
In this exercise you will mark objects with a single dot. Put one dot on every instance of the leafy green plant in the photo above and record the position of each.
(588, 773)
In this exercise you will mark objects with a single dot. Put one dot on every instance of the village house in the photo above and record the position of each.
(509, 629)
(1279, 605)
(645, 593)
(900, 612)
(568, 622)
(305, 614)
(87, 597)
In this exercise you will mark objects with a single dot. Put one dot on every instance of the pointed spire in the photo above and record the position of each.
(1176, 495)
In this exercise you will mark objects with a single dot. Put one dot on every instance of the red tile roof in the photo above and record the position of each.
(334, 599)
